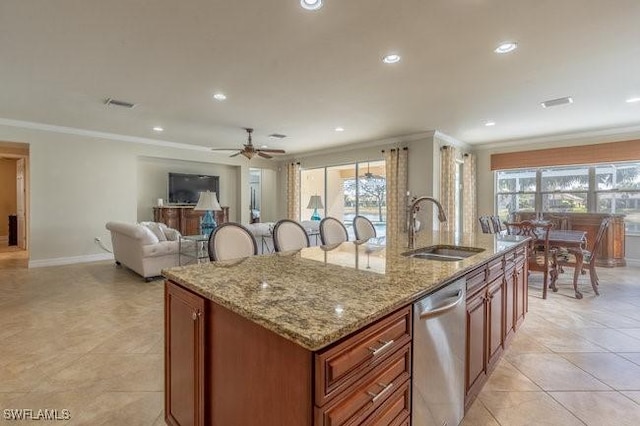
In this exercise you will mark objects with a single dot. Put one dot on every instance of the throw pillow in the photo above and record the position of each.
(172, 234)
(148, 236)
(156, 229)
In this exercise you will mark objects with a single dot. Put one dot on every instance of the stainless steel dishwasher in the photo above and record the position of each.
(439, 330)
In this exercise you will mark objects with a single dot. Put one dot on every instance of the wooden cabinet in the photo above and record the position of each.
(185, 219)
(496, 305)
(223, 369)
(184, 357)
(612, 249)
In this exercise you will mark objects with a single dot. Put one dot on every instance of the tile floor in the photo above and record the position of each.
(88, 338)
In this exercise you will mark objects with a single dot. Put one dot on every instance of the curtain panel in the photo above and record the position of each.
(293, 191)
(469, 194)
(448, 166)
(396, 164)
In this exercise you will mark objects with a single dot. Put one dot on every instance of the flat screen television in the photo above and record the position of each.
(185, 188)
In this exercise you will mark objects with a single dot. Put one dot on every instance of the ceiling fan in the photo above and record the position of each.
(249, 150)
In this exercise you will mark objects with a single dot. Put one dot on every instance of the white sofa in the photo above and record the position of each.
(145, 248)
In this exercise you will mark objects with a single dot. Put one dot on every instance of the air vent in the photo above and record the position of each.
(277, 136)
(122, 104)
(557, 102)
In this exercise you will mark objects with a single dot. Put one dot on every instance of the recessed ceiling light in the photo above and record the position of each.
(490, 123)
(311, 4)
(339, 129)
(633, 100)
(557, 102)
(158, 129)
(506, 47)
(264, 146)
(391, 59)
(219, 96)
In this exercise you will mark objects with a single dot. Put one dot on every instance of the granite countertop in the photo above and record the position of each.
(318, 295)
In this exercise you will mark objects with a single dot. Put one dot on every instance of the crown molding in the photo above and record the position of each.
(97, 134)
(591, 136)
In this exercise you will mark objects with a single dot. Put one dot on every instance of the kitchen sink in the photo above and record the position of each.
(444, 253)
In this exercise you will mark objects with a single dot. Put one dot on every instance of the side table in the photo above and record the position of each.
(193, 248)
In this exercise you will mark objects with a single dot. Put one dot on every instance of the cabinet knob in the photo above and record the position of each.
(195, 315)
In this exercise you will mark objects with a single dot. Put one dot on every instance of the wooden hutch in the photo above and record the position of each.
(185, 219)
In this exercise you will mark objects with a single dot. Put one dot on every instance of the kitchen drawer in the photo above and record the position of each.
(395, 410)
(368, 394)
(342, 365)
(476, 279)
(495, 269)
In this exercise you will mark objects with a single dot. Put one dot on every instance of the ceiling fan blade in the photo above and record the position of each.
(273, 151)
(263, 155)
(236, 154)
(223, 149)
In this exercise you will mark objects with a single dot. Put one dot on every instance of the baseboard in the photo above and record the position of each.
(70, 260)
(633, 262)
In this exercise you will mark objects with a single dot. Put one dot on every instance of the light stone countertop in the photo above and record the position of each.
(321, 294)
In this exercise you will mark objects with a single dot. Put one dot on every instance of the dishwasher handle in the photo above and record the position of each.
(443, 309)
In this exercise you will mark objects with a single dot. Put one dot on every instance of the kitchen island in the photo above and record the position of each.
(324, 336)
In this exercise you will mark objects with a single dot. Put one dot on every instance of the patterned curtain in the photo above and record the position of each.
(396, 165)
(293, 191)
(448, 155)
(469, 194)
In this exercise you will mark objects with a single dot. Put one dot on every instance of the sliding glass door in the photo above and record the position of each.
(345, 191)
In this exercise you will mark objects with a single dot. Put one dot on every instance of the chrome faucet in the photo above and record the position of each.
(413, 209)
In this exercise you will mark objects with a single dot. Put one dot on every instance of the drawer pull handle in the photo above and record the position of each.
(385, 345)
(386, 388)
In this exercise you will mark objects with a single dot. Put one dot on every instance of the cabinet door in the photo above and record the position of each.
(191, 221)
(522, 292)
(167, 215)
(495, 307)
(476, 339)
(509, 304)
(184, 357)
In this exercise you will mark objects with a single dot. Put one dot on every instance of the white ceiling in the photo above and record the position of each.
(302, 73)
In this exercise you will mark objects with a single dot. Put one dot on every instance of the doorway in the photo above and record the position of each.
(14, 203)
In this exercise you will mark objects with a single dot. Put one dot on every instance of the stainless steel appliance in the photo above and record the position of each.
(439, 329)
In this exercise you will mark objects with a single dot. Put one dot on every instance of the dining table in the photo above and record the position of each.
(573, 241)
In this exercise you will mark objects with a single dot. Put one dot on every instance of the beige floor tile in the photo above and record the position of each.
(527, 408)
(110, 372)
(631, 356)
(524, 343)
(478, 415)
(609, 368)
(600, 408)
(610, 339)
(137, 339)
(121, 408)
(552, 372)
(634, 395)
(507, 378)
(633, 332)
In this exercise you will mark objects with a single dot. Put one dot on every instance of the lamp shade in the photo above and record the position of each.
(208, 201)
(315, 202)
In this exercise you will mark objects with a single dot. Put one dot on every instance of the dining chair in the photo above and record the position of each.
(485, 224)
(589, 256)
(289, 235)
(231, 241)
(541, 257)
(332, 231)
(559, 222)
(496, 224)
(363, 228)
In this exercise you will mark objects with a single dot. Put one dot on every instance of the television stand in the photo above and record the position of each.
(184, 218)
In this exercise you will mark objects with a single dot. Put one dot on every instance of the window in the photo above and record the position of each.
(346, 191)
(602, 188)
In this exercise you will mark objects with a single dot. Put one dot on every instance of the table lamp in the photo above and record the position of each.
(209, 203)
(315, 203)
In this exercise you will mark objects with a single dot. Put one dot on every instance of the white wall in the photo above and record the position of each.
(80, 180)
(153, 174)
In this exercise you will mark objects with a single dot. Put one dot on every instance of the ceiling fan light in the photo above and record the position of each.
(248, 154)
(311, 4)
